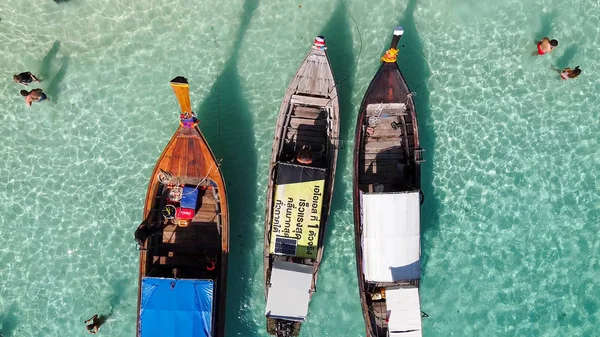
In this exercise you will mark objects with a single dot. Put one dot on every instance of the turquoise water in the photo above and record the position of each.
(510, 222)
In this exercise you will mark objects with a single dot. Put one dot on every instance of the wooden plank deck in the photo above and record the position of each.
(297, 122)
(310, 100)
(380, 314)
(292, 132)
(383, 145)
(188, 247)
(384, 155)
(303, 139)
(309, 112)
(314, 76)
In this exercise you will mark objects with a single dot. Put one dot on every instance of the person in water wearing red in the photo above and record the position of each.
(35, 95)
(545, 46)
(569, 73)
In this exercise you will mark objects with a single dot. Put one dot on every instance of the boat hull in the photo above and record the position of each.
(199, 247)
(308, 117)
(387, 90)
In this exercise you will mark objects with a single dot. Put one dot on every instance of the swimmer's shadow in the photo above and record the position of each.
(547, 20)
(102, 319)
(565, 59)
(46, 65)
(54, 88)
(9, 321)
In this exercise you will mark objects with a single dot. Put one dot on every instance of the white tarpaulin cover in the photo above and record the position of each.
(391, 236)
(289, 292)
(404, 310)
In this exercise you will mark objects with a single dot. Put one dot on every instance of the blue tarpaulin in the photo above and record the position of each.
(176, 308)
(189, 198)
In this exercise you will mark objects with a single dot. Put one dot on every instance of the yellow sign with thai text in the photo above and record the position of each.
(297, 219)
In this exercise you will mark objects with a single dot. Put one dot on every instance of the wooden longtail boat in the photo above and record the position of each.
(301, 177)
(184, 238)
(387, 198)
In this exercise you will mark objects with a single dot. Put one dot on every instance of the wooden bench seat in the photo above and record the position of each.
(310, 100)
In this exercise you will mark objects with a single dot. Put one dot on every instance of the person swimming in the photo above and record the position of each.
(25, 78)
(545, 46)
(92, 324)
(569, 73)
(35, 95)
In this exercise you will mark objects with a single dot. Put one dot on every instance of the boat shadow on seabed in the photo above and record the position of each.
(228, 123)
(340, 49)
(340, 34)
(415, 69)
(9, 321)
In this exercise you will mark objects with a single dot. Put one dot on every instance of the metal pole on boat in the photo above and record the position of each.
(398, 32)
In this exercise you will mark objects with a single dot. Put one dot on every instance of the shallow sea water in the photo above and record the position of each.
(511, 216)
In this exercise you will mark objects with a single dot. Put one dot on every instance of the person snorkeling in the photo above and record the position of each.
(545, 46)
(25, 78)
(93, 324)
(35, 95)
(569, 73)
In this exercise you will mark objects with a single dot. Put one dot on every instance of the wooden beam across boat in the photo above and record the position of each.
(303, 159)
(387, 195)
(185, 233)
